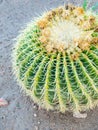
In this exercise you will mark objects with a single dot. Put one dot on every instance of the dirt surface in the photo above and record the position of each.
(21, 113)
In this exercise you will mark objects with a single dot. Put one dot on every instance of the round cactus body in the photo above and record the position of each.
(56, 59)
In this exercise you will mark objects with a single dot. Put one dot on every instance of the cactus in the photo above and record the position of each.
(56, 59)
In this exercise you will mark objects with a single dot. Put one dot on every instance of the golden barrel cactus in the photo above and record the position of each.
(56, 59)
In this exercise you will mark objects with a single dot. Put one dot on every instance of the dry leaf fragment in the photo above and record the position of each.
(3, 102)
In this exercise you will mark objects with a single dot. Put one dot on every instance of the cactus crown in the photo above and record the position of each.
(66, 28)
(56, 59)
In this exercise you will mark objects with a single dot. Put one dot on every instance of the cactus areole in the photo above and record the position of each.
(56, 59)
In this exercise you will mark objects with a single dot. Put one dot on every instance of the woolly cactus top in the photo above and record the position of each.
(67, 28)
(56, 59)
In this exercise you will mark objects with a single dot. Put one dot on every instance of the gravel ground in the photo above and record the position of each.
(21, 113)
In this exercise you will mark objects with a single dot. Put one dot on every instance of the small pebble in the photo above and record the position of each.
(36, 127)
(39, 122)
(79, 115)
(35, 115)
(35, 107)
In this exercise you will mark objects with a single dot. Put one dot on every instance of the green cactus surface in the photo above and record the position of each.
(56, 59)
